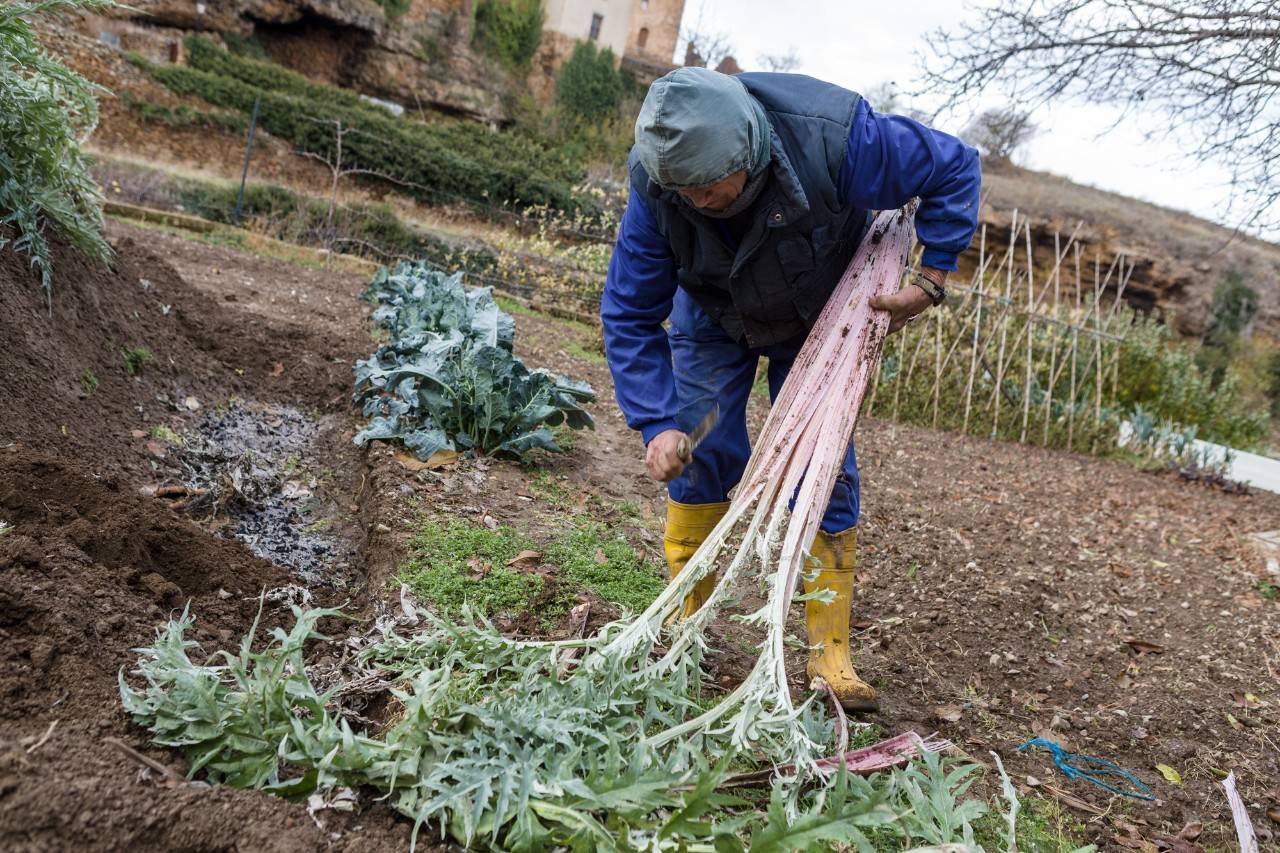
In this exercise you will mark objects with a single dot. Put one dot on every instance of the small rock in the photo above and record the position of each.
(191, 404)
(381, 528)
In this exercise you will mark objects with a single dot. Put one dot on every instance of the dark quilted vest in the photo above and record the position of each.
(800, 238)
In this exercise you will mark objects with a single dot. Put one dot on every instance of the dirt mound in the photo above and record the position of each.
(89, 566)
(87, 570)
(67, 387)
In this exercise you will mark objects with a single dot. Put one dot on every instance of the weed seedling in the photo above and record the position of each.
(135, 358)
(88, 383)
(1269, 591)
(163, 432)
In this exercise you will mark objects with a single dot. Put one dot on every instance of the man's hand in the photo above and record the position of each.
(663, 456)
(910, 301)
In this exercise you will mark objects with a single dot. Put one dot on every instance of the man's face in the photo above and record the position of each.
(717, 196)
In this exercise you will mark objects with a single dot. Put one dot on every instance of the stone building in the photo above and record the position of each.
(642, 31)
(655, 29)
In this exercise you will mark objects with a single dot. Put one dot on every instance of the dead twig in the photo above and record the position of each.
(170, 776)
(44, 738)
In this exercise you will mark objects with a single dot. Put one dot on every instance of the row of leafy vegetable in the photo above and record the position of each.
(449, 378)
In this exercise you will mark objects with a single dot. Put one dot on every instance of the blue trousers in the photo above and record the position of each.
(711, 367)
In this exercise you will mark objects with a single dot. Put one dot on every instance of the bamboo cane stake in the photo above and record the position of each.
(1075, 344)
(937, 363)
(973, 361)
(1026, 376)
(1053, 353)
(1004, 330)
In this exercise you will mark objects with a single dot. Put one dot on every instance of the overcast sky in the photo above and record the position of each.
(859, 44)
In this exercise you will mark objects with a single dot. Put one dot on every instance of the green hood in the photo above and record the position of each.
(698, 126)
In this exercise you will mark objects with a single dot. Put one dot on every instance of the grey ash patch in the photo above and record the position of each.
(248, 459)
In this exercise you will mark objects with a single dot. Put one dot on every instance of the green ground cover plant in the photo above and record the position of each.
(453, 564)
(449, 380)
(45, 111)
(593, 556)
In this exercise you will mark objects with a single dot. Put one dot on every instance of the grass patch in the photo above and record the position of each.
(165, 433)
(455, 563)
(1043, 827)
(88, 383)
(452, 562)
(549, 488)
(1269, 591)
(761, 386)
(511, 306)
(592, 556)
(566, 437)
(578, 350)
(135, 358)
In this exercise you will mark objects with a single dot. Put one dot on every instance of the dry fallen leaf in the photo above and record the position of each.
(439, 459)
(600, 557)
(524, 557)
(479, 568)
(277, 369)
(1143, 647)
(948, 713)
(1192, 830)
(1274, 813)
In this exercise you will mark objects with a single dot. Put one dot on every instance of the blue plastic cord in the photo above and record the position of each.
(1063, 760)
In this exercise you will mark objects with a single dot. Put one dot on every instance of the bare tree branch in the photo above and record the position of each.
(1211, 68)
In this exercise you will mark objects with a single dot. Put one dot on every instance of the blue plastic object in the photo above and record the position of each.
(1087, 767)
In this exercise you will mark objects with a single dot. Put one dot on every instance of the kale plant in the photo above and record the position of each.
(46, 110)
(448, 380)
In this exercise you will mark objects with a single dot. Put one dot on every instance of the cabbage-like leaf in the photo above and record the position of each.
(449, 378)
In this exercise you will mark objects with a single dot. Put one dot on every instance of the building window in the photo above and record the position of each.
(596, 21)
(642, 38)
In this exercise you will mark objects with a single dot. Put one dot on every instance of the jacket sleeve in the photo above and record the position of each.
(638, 294)
(891, 159)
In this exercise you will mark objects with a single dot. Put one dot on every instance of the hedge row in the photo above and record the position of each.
(468, 139)
(358, 228)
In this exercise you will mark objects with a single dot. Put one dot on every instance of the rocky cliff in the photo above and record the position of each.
(416, 53)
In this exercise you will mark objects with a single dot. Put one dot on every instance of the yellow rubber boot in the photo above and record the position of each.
(828, 624)
(688, 526)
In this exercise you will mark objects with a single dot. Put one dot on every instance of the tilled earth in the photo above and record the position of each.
(1008, 592)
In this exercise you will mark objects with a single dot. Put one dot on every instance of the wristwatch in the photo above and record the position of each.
(937, 293)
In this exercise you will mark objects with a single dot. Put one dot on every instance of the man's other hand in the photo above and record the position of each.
(908, 302)
(662, 458)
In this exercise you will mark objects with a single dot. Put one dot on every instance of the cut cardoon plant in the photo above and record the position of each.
(605, 742)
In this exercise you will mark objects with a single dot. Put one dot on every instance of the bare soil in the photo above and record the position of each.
(1007, 591)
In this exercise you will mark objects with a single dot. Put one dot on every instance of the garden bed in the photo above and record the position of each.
(1007, 591)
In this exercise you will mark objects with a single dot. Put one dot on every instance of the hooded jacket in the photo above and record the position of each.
(832, 160)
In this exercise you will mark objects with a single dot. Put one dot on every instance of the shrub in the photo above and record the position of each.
(45, 111)
(435, 163)
(1165, 379)
(509, 30)
(588, 86)
(1234, 304)
(185, 116)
